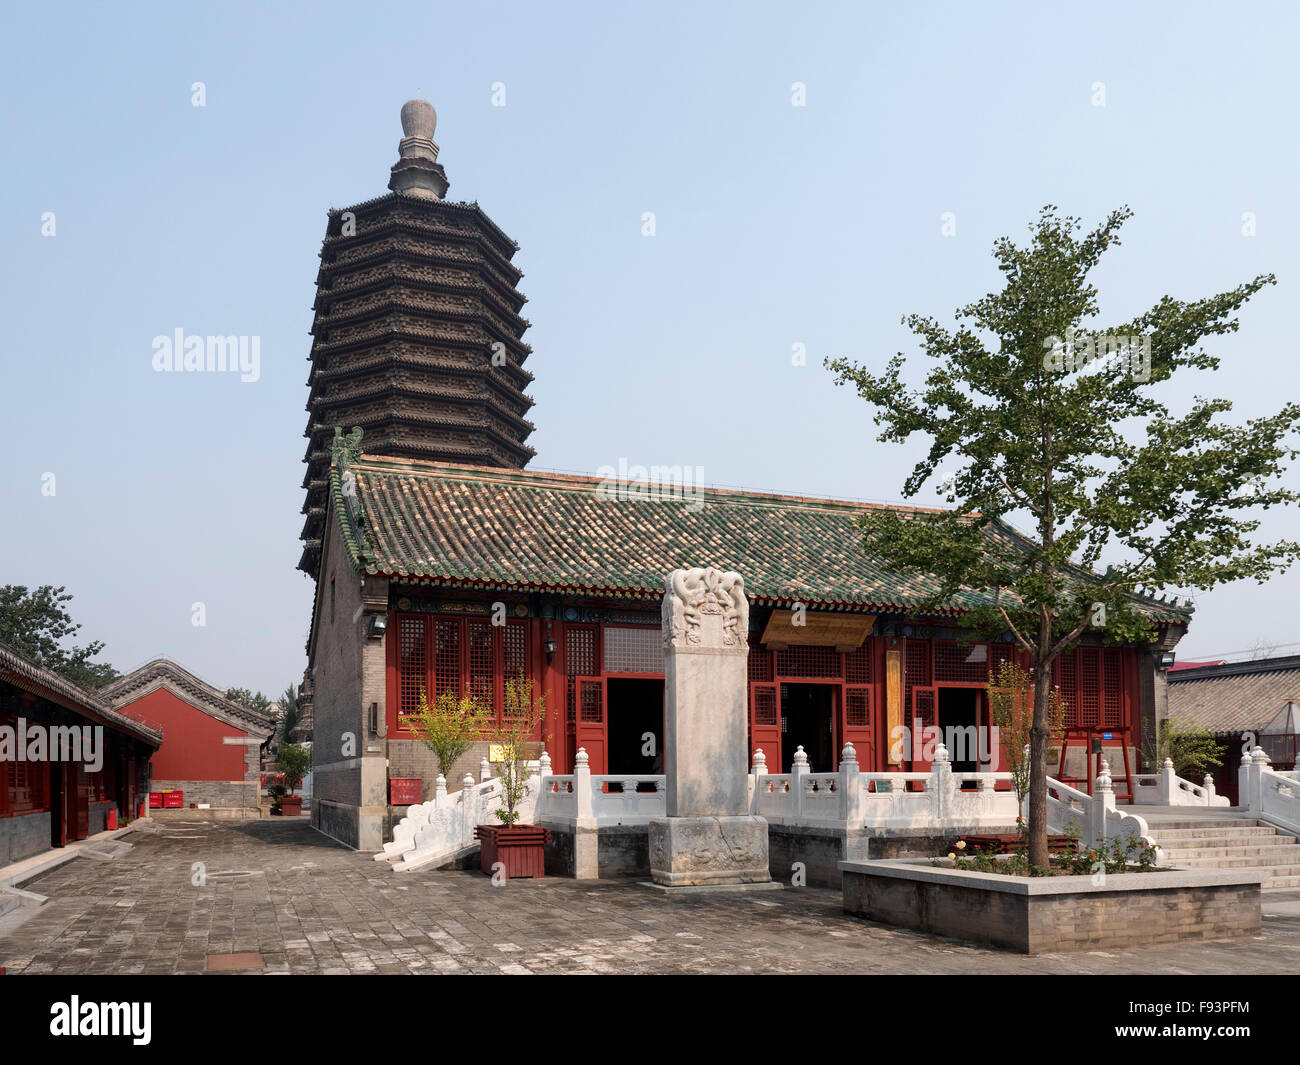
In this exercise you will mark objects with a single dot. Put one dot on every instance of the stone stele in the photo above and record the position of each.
(709, 838)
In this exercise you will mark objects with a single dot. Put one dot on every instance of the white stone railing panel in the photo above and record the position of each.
(618, 800)
(820, 802)
(557, 800)
(1166, 788)
(1271, 795)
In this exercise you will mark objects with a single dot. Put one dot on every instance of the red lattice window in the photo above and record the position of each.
(102, 784)
(28, 787)
(446, 657)
(857, 665)
(1089, 687)
(579, 661)
(857, 707)
(808, 662)
(1112, 689)
(515, 657)
(591, 705)
(412, 666)
(999, 654)
(961, 663)
(760, 663)
(917, 665)
(481, 677)
(1065, 676)
(765, 707)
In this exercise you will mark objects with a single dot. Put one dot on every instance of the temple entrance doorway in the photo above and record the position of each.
(959, 721)
(808, 721)
(636, 725)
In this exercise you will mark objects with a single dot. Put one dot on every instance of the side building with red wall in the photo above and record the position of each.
(212, 751)
(47, 802)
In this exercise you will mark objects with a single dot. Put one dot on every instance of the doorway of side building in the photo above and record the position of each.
(959, 721)
(58, 805)
(808, 721)
(635, 720)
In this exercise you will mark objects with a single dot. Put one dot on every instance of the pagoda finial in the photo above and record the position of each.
(417, 172)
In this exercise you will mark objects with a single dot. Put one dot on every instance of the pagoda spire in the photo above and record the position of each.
(417, 172)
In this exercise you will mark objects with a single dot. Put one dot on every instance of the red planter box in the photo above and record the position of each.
(173, 800)
(291, 805)
(521, 848)
(404, 791)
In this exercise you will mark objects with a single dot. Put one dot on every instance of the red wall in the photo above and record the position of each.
(191, 747)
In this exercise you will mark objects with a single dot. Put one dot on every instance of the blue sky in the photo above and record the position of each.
(775, 225)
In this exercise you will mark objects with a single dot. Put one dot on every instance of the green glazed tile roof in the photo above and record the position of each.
(472, 525)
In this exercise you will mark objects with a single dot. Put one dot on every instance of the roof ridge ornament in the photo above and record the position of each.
(417, 172)
(346, 448)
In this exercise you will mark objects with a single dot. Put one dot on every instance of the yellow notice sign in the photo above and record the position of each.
(496, 753)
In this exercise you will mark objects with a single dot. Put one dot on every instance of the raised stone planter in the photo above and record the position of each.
(1040, 915)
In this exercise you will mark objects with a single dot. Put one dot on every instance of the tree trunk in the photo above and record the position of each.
(1039, 734)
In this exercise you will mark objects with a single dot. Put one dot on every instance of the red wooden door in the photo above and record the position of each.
(925, 719)
(79, 802)
(765, 724)
(589, 728)
(857, 725)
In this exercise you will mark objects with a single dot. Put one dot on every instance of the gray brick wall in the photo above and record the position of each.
(349, 674)
(411, 758)
(99, 816)
(336, 682)
(216, 792)
(23, 836)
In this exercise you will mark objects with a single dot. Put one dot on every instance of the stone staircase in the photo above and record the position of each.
(1229, 844)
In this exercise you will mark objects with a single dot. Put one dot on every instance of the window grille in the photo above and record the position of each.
(634, 650)
(1089, 687)
(579, 661)
(857, 707)
(446, 657)
(482, 678)
(808, 662)
(412, 662)
(1112, 689)
(857, 665)
(961, 663)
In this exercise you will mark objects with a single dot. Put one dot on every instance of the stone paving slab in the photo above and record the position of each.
(307, 905)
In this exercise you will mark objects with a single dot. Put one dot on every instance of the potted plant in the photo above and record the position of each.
(449, 727)
(294, 760)
(520, 849)
(277, 791)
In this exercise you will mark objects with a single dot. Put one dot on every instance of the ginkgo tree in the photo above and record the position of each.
(1034, 413)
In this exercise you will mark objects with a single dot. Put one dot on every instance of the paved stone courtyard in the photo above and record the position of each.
(296, 902)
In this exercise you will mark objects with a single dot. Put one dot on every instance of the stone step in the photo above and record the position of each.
(1160, 824)
(1224, 841)
(1283, 882)
(1159, 834)
(1285, 867)
(1285, 850)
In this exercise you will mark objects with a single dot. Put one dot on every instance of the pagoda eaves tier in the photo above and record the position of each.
(417, 340)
